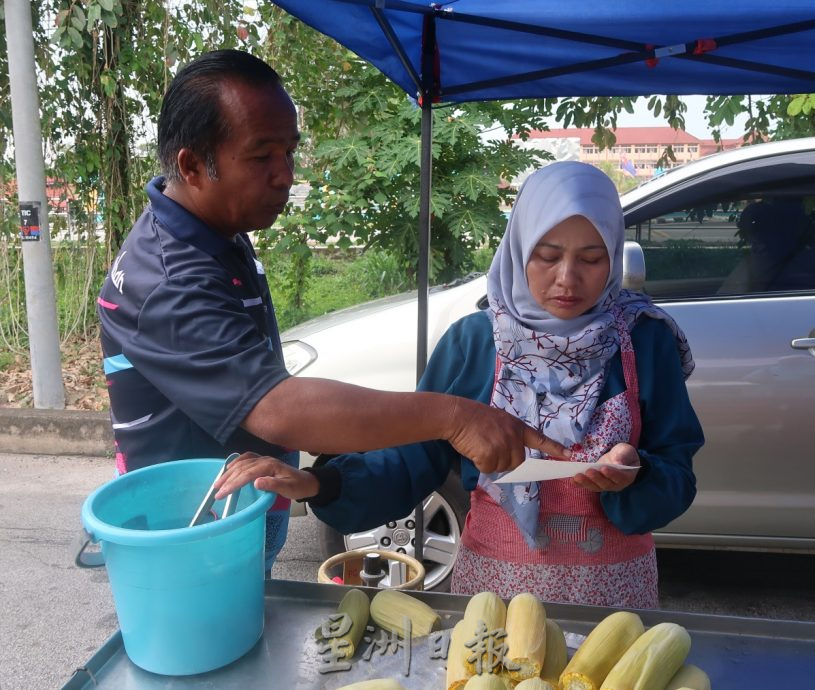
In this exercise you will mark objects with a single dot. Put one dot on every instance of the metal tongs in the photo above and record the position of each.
(209, 498)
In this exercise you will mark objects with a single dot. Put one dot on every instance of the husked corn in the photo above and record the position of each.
(457, 671)
(487, 608)
(355, 603)
(557, 655)
(389, 607)
(689, 677)
(535, 684)
(487, 681)
(601, 650)
(526, 636)
(652, 660)
(376, 684)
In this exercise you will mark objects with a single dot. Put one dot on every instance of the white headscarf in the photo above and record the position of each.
(552, 371)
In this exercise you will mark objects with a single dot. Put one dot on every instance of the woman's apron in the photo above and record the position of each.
(586, 559)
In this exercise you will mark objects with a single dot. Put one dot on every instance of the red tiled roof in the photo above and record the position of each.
(57, 192)
(708, 146)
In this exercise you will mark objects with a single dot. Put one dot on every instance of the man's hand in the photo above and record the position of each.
(604, 476)
(268, 474)
(493, 439)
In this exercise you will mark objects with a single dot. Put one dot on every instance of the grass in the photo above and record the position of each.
(335, 281)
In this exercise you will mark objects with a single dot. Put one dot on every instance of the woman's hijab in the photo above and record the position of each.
(550, 372)
(548, 197)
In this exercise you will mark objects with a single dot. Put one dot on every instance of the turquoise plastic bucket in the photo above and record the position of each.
(188, 599)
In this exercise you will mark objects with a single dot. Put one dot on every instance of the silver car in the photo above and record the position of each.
(729, 246)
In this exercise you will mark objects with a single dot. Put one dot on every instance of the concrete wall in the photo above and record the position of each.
(55, 432)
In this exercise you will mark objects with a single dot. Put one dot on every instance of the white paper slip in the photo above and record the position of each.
(538, 470)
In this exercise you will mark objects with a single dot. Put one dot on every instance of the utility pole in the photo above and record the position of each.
(40, 297)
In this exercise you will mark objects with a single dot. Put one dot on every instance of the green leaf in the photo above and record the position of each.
(465, 221)
(347, 152)
(63, 39)
(110, 19)
(108, 84)
(106, 5)
(795, 107)
(75, 36)
(474, 184)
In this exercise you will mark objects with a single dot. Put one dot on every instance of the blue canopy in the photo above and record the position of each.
(506, 49)
(467, 50)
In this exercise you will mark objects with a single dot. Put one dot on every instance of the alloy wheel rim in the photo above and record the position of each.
(440, 542)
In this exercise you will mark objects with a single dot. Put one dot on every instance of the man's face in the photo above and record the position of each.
(255, 164)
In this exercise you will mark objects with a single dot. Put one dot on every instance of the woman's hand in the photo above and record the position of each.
(268, 474)
(605, 477)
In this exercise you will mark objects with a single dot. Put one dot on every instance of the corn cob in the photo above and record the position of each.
(556, 655)
(604, 646)
(355, 603)
(457, 672)
(652, 660)
(535, 684)
(690, 677)
(487, 608)
(526, 636)
(487, 681)
(389, 607)
(376, 684)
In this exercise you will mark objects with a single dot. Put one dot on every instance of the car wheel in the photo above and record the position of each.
(444, 513)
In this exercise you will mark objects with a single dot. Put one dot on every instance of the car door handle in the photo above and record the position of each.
(803, 343)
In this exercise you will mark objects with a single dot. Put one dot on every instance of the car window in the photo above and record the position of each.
(757, 242)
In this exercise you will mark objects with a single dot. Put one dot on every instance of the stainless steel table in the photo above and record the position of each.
(737, 653)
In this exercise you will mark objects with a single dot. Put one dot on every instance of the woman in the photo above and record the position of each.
(565, 349)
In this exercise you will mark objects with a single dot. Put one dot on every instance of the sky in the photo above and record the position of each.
(695, 123)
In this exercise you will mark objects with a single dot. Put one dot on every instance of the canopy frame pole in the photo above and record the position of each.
(628, 58)
(750, 66)
(430, 89)
(397, 46)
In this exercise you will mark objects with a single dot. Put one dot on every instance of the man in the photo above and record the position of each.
(192, 351)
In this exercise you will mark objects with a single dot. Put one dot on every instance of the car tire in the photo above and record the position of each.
(445, 511)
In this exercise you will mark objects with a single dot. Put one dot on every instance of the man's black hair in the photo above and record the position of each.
(191, 114)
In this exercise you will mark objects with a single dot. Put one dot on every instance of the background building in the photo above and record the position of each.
(636, 152)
